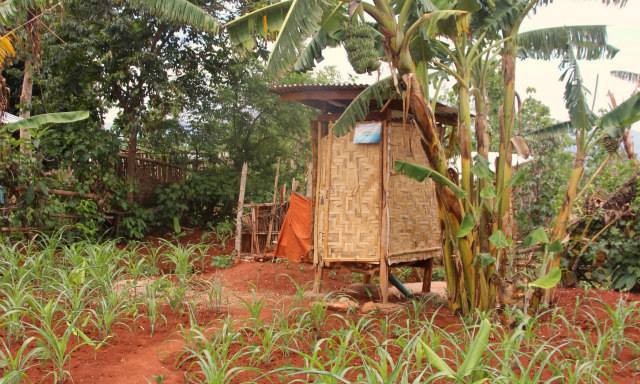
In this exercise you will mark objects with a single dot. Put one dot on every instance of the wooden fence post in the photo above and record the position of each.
(243, 183)
(273, 207)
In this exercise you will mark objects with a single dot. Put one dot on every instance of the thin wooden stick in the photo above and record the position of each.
(243, 184)
(273, 208)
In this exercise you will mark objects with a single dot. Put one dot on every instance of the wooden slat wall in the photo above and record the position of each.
(349, 200)
(414, 226)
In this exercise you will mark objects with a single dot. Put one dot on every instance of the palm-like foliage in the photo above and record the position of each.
(460, 38)
(614, 122)
(180, 12)
(262, 24)
(628, 76)
(358, 109)
(588, 41)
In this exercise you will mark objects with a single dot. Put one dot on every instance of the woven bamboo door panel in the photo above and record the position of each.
(351, 188)
(414, 226)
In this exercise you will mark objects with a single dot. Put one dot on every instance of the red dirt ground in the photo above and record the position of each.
(133, 356)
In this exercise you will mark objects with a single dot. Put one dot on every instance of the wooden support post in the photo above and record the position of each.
(310, 178)
(426, 278)
(383, 239)
(273, 207)
(317, 277)
(255, 239)
(384, 282)
(243, 184)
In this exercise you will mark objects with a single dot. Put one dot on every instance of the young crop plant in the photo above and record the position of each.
(15, 296)
(470, 369)
(14, 365)
(180, 257)
(153, 292)
(51, 346)
(254, 306)
(267, 342)
(211, 358)
(109, 310)
(215, 296)
(328, 362)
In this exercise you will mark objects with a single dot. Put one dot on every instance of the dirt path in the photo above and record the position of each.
(134, 357)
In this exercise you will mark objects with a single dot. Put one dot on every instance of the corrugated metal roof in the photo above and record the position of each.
(317, 86)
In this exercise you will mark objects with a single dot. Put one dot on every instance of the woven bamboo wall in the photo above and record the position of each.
(414, 230)
(348, 205)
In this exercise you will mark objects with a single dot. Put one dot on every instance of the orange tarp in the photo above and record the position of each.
(294, 242)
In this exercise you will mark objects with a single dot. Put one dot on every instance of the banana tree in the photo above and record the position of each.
(412, 36)
(301, 29)
(627, 140)
(589, 130)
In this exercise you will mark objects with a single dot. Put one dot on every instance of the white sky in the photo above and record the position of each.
(624, 33)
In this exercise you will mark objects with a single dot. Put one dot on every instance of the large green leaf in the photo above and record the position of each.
(588, 41)
(537, 236)
(477, 349)
(330, 35)
(301, 23)
(554, 129)
(622, 116)
(47, 119)
(499, 240)
(481, 168)
(264, 23)
(467, 225)
(420, 173)
(575, 94)
(437, 362)
(180, 12)
(358, 109)
(548, 281)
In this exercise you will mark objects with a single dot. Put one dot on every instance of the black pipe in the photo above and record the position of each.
(398, 284)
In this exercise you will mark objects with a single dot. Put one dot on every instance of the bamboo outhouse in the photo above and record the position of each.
(365, 216)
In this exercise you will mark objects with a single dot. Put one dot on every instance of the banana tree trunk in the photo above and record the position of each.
(482, 122)
(507, 122)
(562, 220)
(483, 144)
(451, 209)
(464, 132)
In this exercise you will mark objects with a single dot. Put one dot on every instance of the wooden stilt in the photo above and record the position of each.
(426, 278)
(269, 243)
(384, 282)
(243, 184)
(366, 279)
(317, 277)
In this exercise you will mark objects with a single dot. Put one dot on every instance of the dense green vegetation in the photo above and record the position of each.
(101, 84)
(181, 95)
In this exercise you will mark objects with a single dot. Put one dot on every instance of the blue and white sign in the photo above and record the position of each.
(367, 133)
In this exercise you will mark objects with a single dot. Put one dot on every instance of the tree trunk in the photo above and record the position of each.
(507, 122)
(451, 210)
(562, 220)
(26, 97)
(132, 152)
(464, 132)
(483, 144)
(240, 210)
